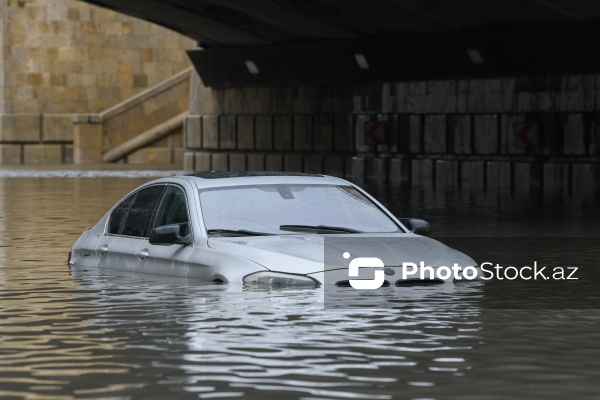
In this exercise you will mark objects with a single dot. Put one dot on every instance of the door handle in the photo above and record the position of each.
(103, 249)
(143, 254)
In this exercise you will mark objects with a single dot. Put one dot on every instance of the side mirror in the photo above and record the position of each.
(418, 226)
(171, 234)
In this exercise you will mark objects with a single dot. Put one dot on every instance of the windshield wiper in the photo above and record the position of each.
(236, 232)
(317, 229)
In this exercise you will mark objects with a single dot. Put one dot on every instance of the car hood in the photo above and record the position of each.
(305, 254)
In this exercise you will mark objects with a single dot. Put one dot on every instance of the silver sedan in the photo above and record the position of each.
(272, 228)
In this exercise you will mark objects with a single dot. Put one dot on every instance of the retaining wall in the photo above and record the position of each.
(59, 58)
(505, 133)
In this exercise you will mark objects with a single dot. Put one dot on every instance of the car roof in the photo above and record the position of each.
(244, 174)
(240, 178)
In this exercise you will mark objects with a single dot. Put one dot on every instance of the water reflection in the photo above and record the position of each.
(101, 335)
(209, 337)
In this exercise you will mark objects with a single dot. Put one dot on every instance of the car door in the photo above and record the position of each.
(121, 246)
(169, 259)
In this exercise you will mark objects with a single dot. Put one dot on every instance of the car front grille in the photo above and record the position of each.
(401, 283)
(347, 284)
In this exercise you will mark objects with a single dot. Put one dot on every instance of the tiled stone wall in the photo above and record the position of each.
(64, 57)
(444, 133)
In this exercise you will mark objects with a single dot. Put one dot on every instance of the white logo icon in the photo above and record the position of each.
(365, 262)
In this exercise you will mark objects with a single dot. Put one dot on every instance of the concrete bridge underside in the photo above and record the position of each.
(452, 93)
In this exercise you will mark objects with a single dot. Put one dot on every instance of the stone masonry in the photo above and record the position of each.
(511, 133)
(61, 58)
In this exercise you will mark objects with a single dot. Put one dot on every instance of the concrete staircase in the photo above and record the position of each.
(145, 129)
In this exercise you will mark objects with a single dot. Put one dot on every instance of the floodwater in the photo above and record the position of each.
(112, 336)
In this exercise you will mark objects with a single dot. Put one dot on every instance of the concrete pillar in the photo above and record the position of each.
(461, 134)
(360, 122)
(188, 161)
(202, 162)
(282, 132)
(415, 99)
(572, 93)
(574, 135)
(274, 162)
(210, 132)
(334, 166)
(376, 168)
(264, 132)
(446, 173)
(415, 134)
(392, 133)
(509, 124)
(584, 177)
(237, 162)
(434, 134)
(192, 131)
(498, 174)
(421, 172)
(219, 162)
(356, 168)
(485, 134)
(343, 135)
(87, 143)
(313, 164)
(323, 133)
(522, 176)
(403, 133)
(527, 175)
(302, 132)
(399, 170)
(293, 163)
(256, 162)
(227, 132)
(472, 174)
(245, 132)
(556, 177)
(594, 142)
(441, 95)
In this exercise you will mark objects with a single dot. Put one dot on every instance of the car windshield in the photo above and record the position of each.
(287, 209)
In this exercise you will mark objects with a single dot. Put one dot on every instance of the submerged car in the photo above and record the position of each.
(275, 228)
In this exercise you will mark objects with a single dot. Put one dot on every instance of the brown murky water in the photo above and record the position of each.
(109, 336)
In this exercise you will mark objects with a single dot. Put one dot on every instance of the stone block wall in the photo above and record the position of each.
(65, 57)
(510, 134)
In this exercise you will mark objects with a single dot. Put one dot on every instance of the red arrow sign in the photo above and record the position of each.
(526, 134)
(375, 133)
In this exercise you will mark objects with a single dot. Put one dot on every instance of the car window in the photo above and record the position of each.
(115, 225)
(268, 208)
(172, 209)
(133, 217)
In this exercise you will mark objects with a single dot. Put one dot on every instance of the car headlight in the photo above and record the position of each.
(279, 279)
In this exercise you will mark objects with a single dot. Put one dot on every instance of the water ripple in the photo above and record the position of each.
(108, 335)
